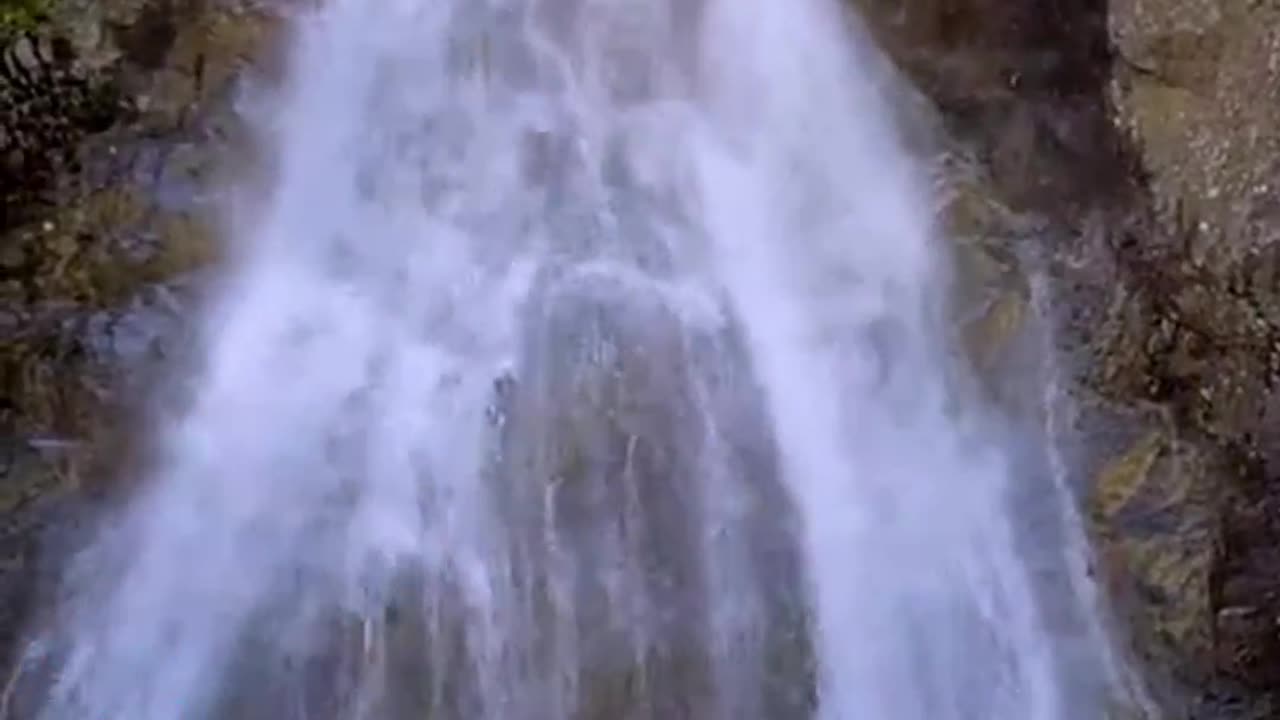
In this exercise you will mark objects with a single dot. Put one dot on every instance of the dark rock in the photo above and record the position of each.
(1143, 134)
(104, 225)
(48, 105)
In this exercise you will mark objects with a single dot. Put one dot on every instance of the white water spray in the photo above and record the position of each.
(585, 363)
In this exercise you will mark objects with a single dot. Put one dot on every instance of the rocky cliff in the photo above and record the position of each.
(113, 118)
(1122, 157)
(1107, 169)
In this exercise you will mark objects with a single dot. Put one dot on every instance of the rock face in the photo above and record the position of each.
(1123, 155)
(111, 116)
(618, 415)
(1195, 88)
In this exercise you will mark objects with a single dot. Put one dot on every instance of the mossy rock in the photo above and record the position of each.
(1145, 498)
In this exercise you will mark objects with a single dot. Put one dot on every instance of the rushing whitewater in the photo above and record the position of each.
(586, 361)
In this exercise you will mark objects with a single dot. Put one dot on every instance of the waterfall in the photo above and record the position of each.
(586, 360)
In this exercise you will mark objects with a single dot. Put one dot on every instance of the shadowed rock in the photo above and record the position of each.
(635, 452)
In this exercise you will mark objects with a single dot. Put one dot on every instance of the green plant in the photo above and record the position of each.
(22, 15)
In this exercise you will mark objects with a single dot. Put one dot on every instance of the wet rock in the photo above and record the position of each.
(33, 498)
(1160, 545)
(620, 417)
(116, 118)
(1191, 345)
(1140, 137)
(1021, 81)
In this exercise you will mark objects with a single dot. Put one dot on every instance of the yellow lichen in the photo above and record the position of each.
(1124, 479)
(988, 335)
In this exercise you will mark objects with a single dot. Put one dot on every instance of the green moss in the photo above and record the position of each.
(22, 15)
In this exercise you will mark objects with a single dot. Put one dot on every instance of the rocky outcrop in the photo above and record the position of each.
(1126, 156)
(115, 117)
(1195, 88)
(48, 105)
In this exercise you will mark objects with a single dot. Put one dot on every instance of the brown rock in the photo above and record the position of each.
(1144, 132)
(94, 281)
(1197, 88)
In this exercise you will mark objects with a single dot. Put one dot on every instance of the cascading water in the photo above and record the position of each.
(584, 363)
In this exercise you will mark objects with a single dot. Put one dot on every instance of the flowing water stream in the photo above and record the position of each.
(587, 360)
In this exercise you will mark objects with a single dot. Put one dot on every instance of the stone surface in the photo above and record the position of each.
(1138, 141)
(104, 239)
(1197, 87)
(1195, 90)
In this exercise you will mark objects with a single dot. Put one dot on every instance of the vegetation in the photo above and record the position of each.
(21, 15)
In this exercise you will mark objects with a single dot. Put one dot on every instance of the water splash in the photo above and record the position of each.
(585, 363)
